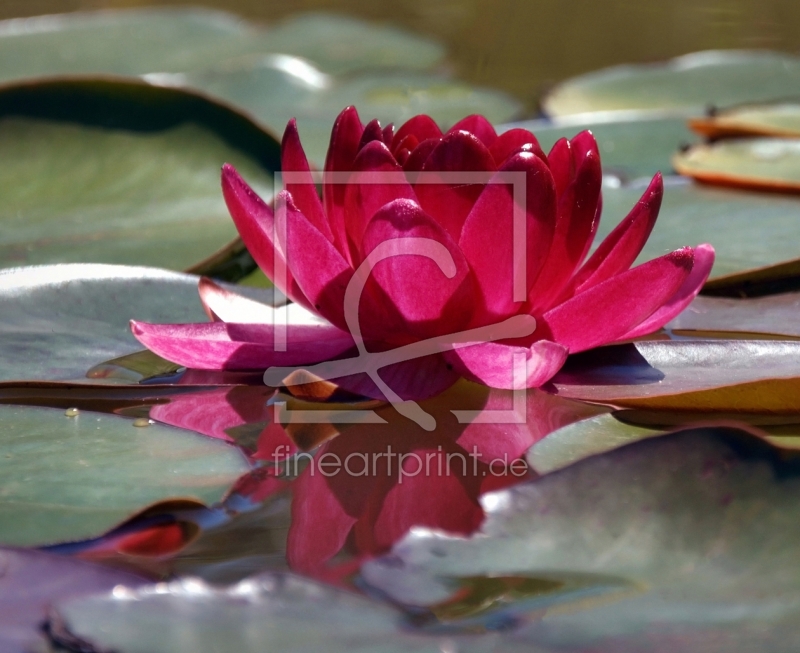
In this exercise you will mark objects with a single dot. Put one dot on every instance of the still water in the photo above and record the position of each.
(525, 46)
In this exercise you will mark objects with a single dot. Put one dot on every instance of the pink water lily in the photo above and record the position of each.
(403, 186)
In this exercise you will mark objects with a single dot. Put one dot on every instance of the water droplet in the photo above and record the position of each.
(72, 412)
(142, 422)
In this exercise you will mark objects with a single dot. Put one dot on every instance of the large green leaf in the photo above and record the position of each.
(631, 148)
(60, 321)
(772, 119)
(688, 84)
(275, 90)
(723, 376)
(159, 40)
(120, 171)
(698, 529)
(70, 478)
(279, 612)
(748, 230)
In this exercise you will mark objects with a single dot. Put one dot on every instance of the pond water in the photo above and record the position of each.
(526, 46)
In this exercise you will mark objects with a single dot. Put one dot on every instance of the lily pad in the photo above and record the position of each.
(697, 528)
(743, 376)
(120, 171)
(31, 581)
(775, 119)
(61, 320)
(775, 315)
(685, 85)
(159, 40)
(748, 230)
(757, 163)
(71, 478)
(274, 90)
(631, 148)
(290, 613)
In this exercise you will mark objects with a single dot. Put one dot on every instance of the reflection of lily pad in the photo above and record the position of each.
(159, 40)
(748, 230)
(757, 163)
(777, 119)
(117, 171)
(638, 147)
(59, 321)
(288, 613)
(69, 478)
(700, 523)
(683, 85)
(31, 581)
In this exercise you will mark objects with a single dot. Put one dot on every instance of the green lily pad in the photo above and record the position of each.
(290, 613)
(774, 315)
(275, 90)
(71, 478)
(756, 163)
(748, 230)
(120, 171)
(636, 147)
(685, 85)
(699, 528)
(716, 376)
(164, 40)
(60, 321)
(775, 119)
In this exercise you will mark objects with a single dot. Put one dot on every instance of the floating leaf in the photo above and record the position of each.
(173, 40)
(777, 119)
(631, 148)
(748, 230)
(71, 478)
(100, 170)
(61, 320)
(602, 433)
(274, 95)
(290, 613)
(775, 315)
(697, 527)
(687, 84)
(31, 581)
(756, 163)
(742, 376)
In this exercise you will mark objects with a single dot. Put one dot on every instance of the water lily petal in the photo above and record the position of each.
(427, 302)
(577, 215)
(319, 269)
(378, 180)
(621, 247)
(255, 222)
(344, 146)
(388, 135)
(560, 160)
(418, 156)
(703, 262)
(372, 132)
(223, 305)
(299, 182)
(609, 310)
(513, 141)
(422, 127)
(492, 363)
(448, 200)
(478, 125)
(228, 346)
(488, 236)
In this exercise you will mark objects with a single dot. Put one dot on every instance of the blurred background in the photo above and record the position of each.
(525, 46)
